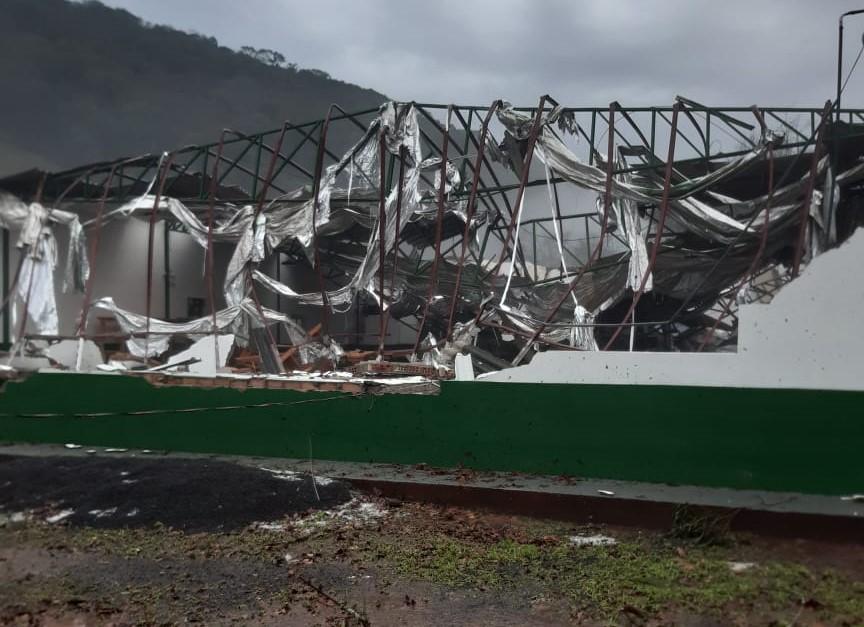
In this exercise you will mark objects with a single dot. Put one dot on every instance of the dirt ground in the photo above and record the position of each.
(216, 544)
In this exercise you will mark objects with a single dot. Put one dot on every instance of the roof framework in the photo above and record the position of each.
(496, 173)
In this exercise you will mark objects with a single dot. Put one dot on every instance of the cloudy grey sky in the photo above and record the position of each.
(730, 52)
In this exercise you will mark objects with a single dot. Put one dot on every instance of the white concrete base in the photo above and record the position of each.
(205, 350)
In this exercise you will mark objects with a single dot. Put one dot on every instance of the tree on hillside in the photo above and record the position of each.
(268, 57)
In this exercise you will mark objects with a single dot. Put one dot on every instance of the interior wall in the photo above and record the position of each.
(120, 271)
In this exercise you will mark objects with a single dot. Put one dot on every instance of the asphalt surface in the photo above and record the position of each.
(190, 495)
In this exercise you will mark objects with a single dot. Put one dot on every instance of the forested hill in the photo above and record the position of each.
(83, 82)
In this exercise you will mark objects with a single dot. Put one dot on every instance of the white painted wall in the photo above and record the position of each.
(809, 337)
(120, 270)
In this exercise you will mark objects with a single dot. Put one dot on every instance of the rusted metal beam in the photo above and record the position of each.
(442, 186)
(163, 174)
(523, 180)
(401, 183)
(658, 232)
(382, 234)
(610, 166)
(211, 290)
(316, 190)
(469, 211)
(94, 252)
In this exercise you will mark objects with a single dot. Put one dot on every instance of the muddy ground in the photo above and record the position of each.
(217, 543)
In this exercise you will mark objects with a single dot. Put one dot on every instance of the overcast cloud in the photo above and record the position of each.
(639, 52)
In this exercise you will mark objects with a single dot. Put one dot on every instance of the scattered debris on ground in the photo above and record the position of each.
(592, 540)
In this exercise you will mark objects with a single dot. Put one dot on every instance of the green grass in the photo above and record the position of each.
(602, 580)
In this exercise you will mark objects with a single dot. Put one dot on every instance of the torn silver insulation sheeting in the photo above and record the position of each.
(635, 231)
(696, 215)
(233, 319)
(823, 231)
(400, 131)
(579, 334)
(632, 228)
(281, 221)
(714, 223)
(228, 231)
(564, 163)
(301, 223)
(689, 211)
(700, 218)
(38, 245)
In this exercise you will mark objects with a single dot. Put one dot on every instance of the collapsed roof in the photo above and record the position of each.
(494, 230)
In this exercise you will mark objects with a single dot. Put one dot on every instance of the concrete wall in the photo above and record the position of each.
(809, 337)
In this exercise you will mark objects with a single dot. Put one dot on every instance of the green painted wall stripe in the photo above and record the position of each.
(793, 440)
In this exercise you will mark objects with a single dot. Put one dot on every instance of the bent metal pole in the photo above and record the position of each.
(439, 218)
